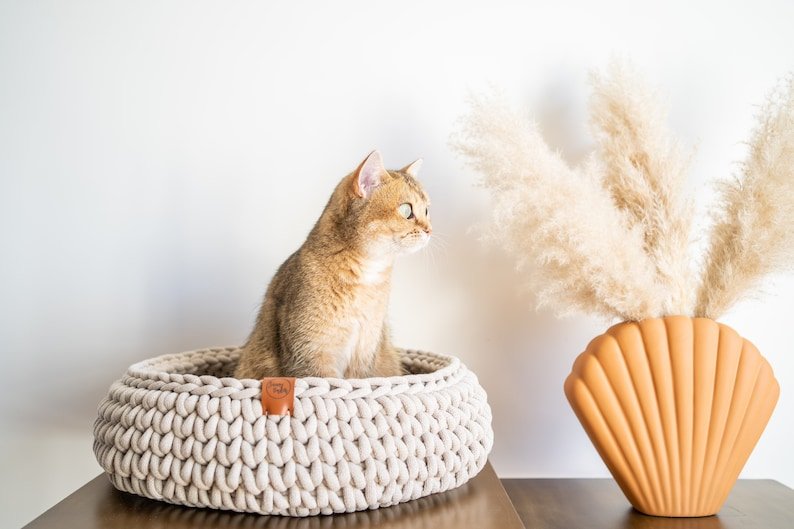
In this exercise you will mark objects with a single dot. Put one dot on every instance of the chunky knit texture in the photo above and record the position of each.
(178, 428)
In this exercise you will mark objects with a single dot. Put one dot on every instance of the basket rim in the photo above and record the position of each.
(156, 369)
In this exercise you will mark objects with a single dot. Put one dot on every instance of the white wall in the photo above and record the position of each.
(158, 160)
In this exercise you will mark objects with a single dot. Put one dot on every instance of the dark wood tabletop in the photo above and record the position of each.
(485, 502)
(599, 504)
(480, 503)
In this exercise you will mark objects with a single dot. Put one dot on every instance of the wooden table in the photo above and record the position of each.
(599, 504)
(483, 503)
(480, 503)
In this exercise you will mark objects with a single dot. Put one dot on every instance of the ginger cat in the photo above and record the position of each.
(324, 313)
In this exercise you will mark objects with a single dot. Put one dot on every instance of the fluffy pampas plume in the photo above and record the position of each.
(644, 170)
(561, 222)
(612, 237)
(754, 230)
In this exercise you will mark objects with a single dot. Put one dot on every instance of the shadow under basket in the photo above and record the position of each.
(181, 429)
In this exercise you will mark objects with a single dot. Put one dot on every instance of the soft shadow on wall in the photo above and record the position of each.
(481, 312)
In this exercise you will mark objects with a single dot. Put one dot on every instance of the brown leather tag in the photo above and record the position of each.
(278, 395)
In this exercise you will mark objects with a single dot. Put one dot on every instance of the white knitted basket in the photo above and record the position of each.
(178, 428)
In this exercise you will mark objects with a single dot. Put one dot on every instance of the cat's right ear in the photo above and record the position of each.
(369, 175)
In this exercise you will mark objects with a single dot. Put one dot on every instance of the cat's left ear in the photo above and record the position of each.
(369, 175)
(412, 168)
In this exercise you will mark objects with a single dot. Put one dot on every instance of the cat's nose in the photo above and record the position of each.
(428, 229)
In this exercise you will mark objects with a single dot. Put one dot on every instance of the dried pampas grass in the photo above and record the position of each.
(645, 171)
(754, 230)
(560, 221)
(611, 237)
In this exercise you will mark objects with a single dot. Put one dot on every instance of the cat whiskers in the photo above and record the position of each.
(436, 243)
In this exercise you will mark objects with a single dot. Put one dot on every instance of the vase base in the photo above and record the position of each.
(675, 514)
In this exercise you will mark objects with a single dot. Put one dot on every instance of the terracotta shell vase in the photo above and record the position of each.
(674, 407)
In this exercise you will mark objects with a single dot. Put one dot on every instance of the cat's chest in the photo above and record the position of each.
(362, 328)
(374, 271)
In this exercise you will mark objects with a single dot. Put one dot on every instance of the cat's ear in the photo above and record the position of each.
(369, 175)
(412, 168)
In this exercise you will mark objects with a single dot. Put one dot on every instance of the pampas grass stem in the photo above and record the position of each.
(753, 234)
(645, 172)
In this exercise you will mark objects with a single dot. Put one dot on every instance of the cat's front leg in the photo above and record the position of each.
(387, 361)
(377, 359)
(311, 357)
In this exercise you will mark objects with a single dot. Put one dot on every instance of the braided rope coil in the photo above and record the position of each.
(177, 428)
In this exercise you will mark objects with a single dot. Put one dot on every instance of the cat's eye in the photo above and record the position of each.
(427, 212)
(406, 211)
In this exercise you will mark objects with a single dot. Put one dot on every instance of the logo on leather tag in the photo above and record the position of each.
(278, 395)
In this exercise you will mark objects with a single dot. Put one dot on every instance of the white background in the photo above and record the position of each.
(158, 160)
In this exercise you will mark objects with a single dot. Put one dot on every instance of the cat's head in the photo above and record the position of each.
(389, 210)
